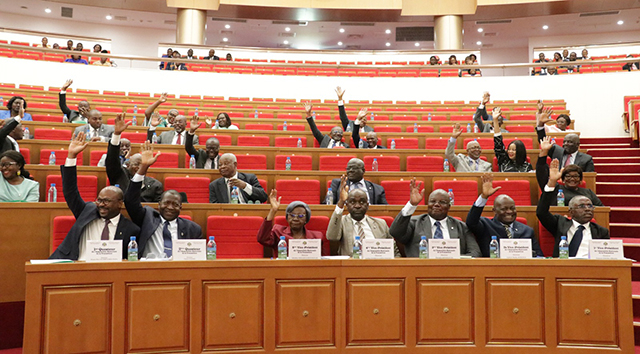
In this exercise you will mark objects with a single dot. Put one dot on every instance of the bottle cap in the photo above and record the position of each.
(494, 237)
(133, 238)
(53, 184)
(282, 237)
(211, 238)
(423, 237)
(193, 155)
(357, 238)
(563, 237)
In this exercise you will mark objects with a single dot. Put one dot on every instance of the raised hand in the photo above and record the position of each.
(544, 116)
(163, 97)
(208, 122)
(77, 145)
(363, 113)
(540, 106)
(485, 98)
(67, 84)
(120, 125)
(307, 108)
(545, 146)
(148, 158)
(343, 191)
(274, 200)
(339, 92)
(496, 113)
(155, 119)
(21, 110)
(554, 173)
(195, 124)
(236, 182)
(416, 193)
(487, 185)
(455, 133)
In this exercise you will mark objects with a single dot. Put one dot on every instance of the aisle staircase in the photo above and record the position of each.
(618, 186)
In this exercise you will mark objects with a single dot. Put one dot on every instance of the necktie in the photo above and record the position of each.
(568, 162)
(360, 230)
(576, 241)
(105, 231)
(473, 164)
(507, 229)
(331, 144)
(179, 139)
(166, 237)
(438, 234)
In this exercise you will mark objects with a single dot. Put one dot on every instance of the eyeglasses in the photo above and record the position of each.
(571, 177)
(585, 206)
(7, 164)
(299, 216)
(103, 201)
(440, 202)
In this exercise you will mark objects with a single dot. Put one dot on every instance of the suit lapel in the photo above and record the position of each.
(374, 227)
(369, 191)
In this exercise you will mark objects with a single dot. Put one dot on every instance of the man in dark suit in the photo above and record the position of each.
(348, 125)
(355, 175)
(568, 154)
(177, 136)
(207, 158)
(10, 133)
(333, 140)
(99, 220)
(212, 55)
(247, 183)
(579, 229)
(95, 130)
(436, 224)
(118, 174)
(158, 228)
(503, 224)
(79, 116)
(371, 141)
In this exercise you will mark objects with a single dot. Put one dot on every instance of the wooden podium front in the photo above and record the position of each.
(342, 306)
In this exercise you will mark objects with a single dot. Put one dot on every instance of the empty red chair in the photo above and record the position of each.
(252, 162)
(436, 143)
(223, 139)
(292, 127)
(421, 129)
(397, 192)
(87, 185)
(258, 127)
(306, 190)
(59, 229)
(389, 129)
(52, 134)
(520, 128)
(95, 157)
(334, 163)
(135, 138)
(167, 160)
(385, 163)
(465, 191)
(61, 156)
(518, 190)
(196, 188)
(528, 142)
(46, 118)
(522, 117)
(236, 235)
(546, 240)
(290, 141)
(405, 118)
(461, 118)
(245, 140)
(298, 162)
(404, 143)
(26, 154)
(425, 163)
(485, 143)
(445, 129)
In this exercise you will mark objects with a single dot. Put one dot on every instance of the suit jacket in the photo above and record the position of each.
(215, 57)
(355, 136)
(347, 124)
(85, 212)
(200, 154)
(152, 189)
(7, 128)
(484, 228)
(322, 139)
(218, 189)
(341, 229)
(149, 219)
(408, 229)
(460, 161)
(558, 225)
(167, 137)
(375, 191)
(105, 131)
(585, 161)
(542, 175)
(62, 103)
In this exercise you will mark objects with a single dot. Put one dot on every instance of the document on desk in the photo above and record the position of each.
(305, 249)
(50, 261)
(515, 248)
(104, 251)
(444, 248)
(189, 250)
(377, 248)
(606, 249)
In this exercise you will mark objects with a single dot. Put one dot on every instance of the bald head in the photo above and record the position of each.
(473, 149)
(504, 208)
(116, 190)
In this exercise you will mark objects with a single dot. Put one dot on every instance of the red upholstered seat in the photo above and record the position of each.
(52, 134)
(485, 143)
(397, 192)
(59, 230)
(223, 139)
(252, 162)
(167, 160)
(87, 185)
(26, 154)
(46, 118)
(95, 157)
(136, 138)
(389, 129)
(306, 190)
(425, 163)
(258, 126)
(298, 162)
(246, 140)
(385, 163)
(236, 235)
(290, 141)
(546, 240)
(465, 191)
(518, 190)
(196, 188)
(61, 156)
(334, 163)
(404, 143)
(421, 129)
(436, 143)
(520, 128)
(292, 127)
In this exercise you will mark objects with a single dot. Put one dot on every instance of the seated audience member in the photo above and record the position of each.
(565, 55)
(249, 188)
(79, 116)
(207, 158)
(333, 140)
(436, 224)
(174, 65)
(79, 47)
(95, 221)
(474, 58)
(469, 71)
(563, 122)
(177, 136)
(503, 224)
(168, 55)
(229, 58)
(77, 59)
(434, 60)
(557, 57)
(347, 124)
(567, 154)
(452, 60)
(223, 121)
(571, 176)
(97, 48)
(212, 55)
(104, 61)
(56, 46)
(16, 185)
(371, 139)
(69, 45)
(44, 44)
(481, 115)
(11, 131)
(164, 122)
(552, 70)
(543, 70)
(579, 229)
(190, 54)
(585, 55)
(631, 66)
(121, 174)
(95, 130)
(14, 106)
(471, 162)
(158, 228)
(125, 151)
(571, 68)
(298, 214)
(515, 158)
(345, 228)
(355, 180)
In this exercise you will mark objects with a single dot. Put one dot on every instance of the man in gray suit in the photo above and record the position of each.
(177, 136)
(471, 162)
(95, 130)
(436, 224)
(345, 228)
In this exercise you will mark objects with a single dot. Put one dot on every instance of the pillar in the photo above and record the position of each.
(190, 26)
(448, 32)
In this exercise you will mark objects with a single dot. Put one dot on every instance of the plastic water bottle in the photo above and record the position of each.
(446, 167)
(192, 162)
(429, 117)
(134, 120)
(328, 200)
(494, 248)
(299, 143)
(374, 165)
(65, 119)
(52, 158)
(372, 116)
(216, 125)
(211, 249)
(135, 109)
(1, 101)
(255, 114)
(27, 135)
(424, 249)
(560, 198)
(287, 164)
(563, 248)
(468, 127)
(475, 128)
(451, 197)
(154, 138)
(357, 249)
(393, 143)
(132, 250)
(415, 127)
(282, 248)
(314, 115)
(52, 195)
(235, 198)
(361, 144)
(196, 113)
(284, 126)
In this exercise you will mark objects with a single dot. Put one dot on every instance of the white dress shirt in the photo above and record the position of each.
(93, 232)
(583, 250)
(182, 135)
(248, 189)
(156, 242)
(368, 233)
(409, 209)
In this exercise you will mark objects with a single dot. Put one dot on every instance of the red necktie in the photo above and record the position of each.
(568, 162)
(105, 231)
(179, 140)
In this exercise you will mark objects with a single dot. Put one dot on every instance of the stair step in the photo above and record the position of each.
(595, 140)
(617, 177)
(603, 146)
(617, 168)
(621, 230)
(621, 200)
(599, 152)
(631, 247)
(624, 215)
(616, 159)
(632, 188)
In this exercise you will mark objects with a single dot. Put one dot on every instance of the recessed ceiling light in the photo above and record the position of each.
(388, 44)
(225, 39)
(479, 43)
(109, 17)
(417, 44)
(620, 22)
(287, 29)
(387, 31)
(342, 30)
(339, 43)
(47, 10)
(480, 29)
(286, 42)
(227, 26)
(545, 27)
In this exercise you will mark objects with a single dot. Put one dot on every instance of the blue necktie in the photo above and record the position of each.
(438, 233)
(574, 245)
(166, 236)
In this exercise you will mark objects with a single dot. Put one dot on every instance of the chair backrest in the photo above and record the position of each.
(292, 127)
(95, 157)
(316, 223)
(52, 134)
(421, 129)
(258, 126)
(436, 143)
(465, 191)
(236, 235)
(290, 141)
(334, 163)
(425, 163)
(485, 143)
(167, 160)
(518, 190)
(306, 190)
(61, 156)
(87, 185)
(520, 128)
(136, 138)
(246, 140)
(385, 163)
(546, 240)
(298, 162)
(252, 162)
(389, 129)
(59, 229)
(404, 143)
(26, 153)
(223, 139)
(397, 192)
(196, 188)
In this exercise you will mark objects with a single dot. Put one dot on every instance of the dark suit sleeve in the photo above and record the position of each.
(133, 204)
(355, 136)
(113, 166)
(314, 129)
(7, 128)
(548, 220)
(62, 102)
(343, 117)
(188, 145)
(213, 195)
(542, 171)
(382, 198)
(402, 228)
(258, 193)
(473, 250)
(150, 135)
(473, 220)
(335, 185)
(589, 165)
(70, 190)
(479, 116)
(498, 149)
(157, 189)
